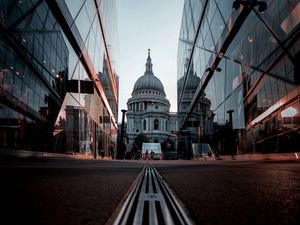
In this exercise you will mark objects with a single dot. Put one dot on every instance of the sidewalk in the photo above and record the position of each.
(33, 154)
(245, 157)
(270, 156)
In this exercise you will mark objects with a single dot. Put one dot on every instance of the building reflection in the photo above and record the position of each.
(245, 61)
(51, 97)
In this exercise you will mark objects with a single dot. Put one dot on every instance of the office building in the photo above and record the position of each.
(58, 75)
(245, 58)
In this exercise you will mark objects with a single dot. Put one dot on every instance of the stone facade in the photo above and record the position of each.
(148, 109)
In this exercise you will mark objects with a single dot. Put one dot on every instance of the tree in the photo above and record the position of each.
(140, 139)
(167, 146)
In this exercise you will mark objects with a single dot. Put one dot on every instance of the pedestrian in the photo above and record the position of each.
(135, 151)
(147, 154)
(102, 153)
(152, 155)
(124, 148)
(76, 145)
(111, 151)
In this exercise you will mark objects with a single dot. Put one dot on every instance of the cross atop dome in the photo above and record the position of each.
(149, 63)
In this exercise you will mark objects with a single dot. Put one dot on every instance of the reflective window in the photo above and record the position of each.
(74, 6)
(282, 16)
(225, 9)
(219, 80)
(217, 26)
(232, 76)
(210, 11)
(37, 76)
(82, 21)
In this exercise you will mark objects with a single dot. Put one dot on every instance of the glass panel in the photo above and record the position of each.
(217, 26)
(74, 6)
(219, 80)
(82, 22)
(249, 41)
(282, 16)
(232, 76)
(235, 102)
(225, 9)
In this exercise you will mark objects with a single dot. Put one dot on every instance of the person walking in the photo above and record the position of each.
(147, 154)
(151, 155)
(111, 151)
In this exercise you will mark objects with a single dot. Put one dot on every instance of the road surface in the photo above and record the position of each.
(69, 191)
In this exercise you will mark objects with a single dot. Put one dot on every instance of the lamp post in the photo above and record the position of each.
(231, 139)
(119, 153)
(262, 6)
(230, 118)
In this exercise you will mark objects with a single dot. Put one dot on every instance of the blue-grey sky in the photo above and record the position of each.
(144, 24)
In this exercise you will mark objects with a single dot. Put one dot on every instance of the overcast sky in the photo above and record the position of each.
(144, 24)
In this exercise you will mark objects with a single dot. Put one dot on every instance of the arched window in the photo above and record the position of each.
(145, 125)
(156, 124)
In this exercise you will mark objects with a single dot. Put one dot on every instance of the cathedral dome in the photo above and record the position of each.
(192, 82)
(148, 81)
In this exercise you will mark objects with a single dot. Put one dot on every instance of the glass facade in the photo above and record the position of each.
(58, 75)
(246, 65)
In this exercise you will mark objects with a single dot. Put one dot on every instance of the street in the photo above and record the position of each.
(62, 191)
(237, 192)
(69, 191)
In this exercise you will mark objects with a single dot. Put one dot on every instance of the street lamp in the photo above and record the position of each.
(123, 118)
(213, 68)
(119, 153)
(230, 112)
(262, 6)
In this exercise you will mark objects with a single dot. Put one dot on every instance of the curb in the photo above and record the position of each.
(271, 156)
(241, 157)
(32, 154)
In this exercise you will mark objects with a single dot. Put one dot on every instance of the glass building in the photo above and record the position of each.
(58, 75)
(245, 57)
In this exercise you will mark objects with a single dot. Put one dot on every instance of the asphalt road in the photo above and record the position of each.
(236, 192)
(69, 191)
(62, 191)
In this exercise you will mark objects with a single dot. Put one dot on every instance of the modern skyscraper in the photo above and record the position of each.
(58, 75)
(245, 57)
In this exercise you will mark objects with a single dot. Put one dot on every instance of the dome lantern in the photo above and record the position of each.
(148, 82)
(148, 63)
